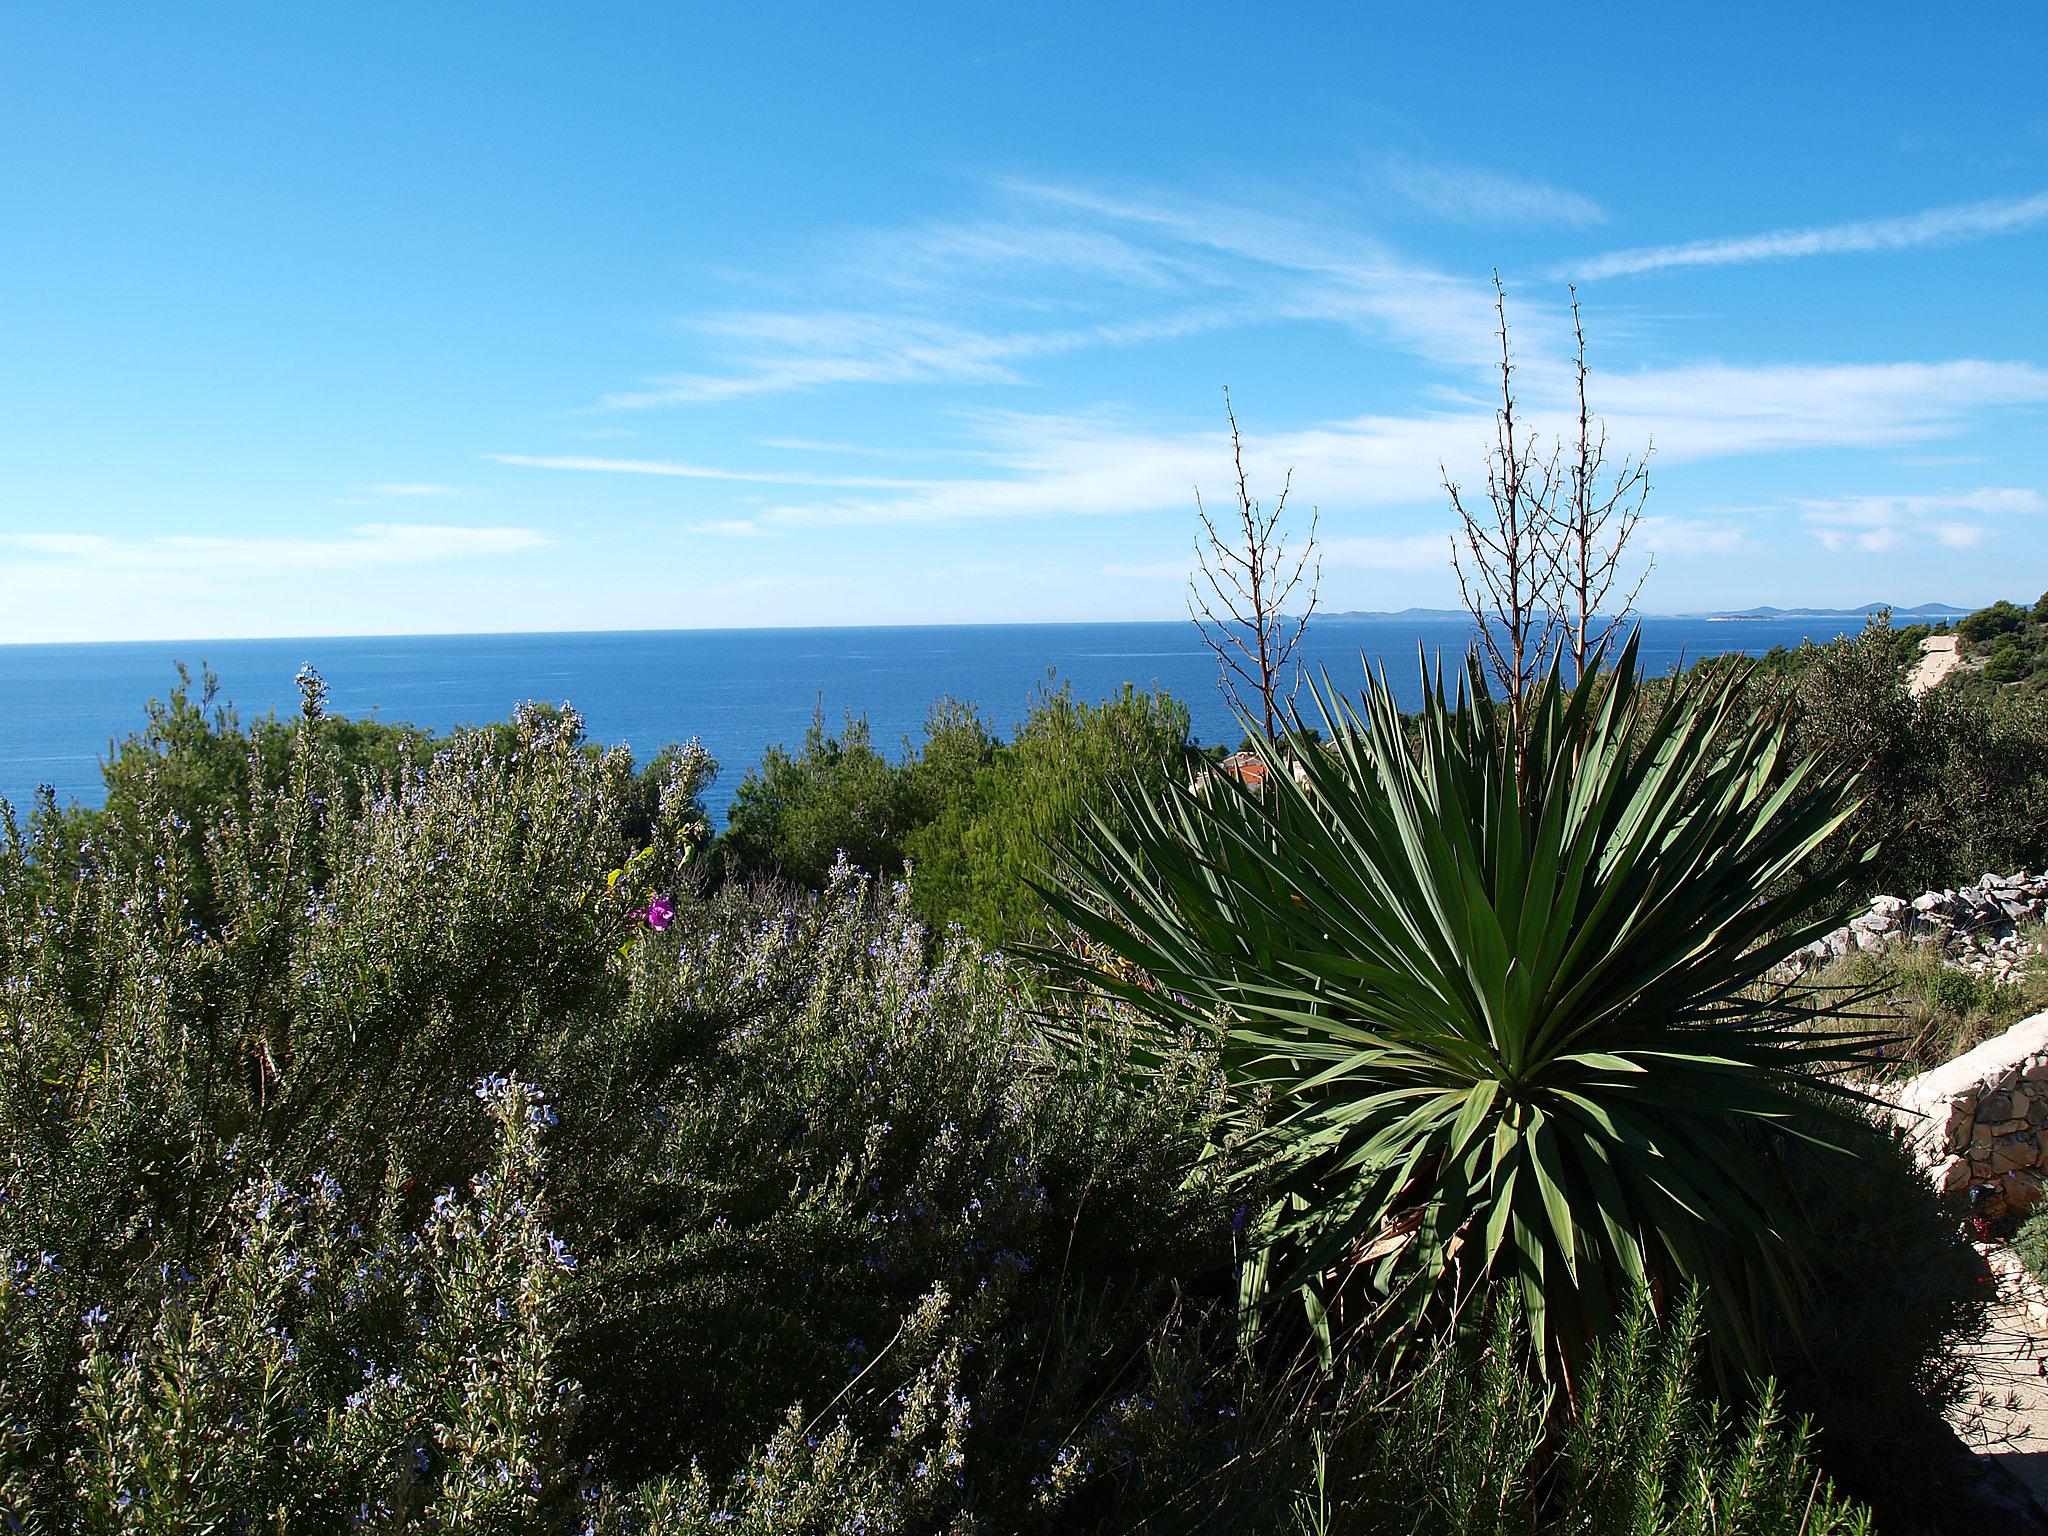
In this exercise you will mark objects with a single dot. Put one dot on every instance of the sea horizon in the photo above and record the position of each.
(64, 704)
(1408, 615)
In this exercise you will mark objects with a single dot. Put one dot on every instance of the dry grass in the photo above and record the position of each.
(1937, 1011)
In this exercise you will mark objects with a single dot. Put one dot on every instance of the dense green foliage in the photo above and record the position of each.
(195, 760)
(1952, 782)
(1986, 624)
(985, 846)
(2010, 642)
(797, 813)
(971, 813)
(2030, 1242)
(1496, 1010)
(801, 1159)
(370, 1163)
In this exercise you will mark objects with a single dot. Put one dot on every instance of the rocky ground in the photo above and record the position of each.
(1979, 928)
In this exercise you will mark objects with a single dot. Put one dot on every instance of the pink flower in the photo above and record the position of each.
(659, 914)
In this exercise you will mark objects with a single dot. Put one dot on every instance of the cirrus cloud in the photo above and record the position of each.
(368, 546)
(1935, 226)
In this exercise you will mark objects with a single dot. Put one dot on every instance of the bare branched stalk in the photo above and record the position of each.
(1504, 555)
(1594, 525)
(1239, 594)
(1538, 563)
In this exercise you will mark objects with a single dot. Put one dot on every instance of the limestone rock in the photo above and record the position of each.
(1975, 1121)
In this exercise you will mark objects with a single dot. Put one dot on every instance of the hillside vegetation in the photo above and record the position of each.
(2010, 642)
(448, 1134)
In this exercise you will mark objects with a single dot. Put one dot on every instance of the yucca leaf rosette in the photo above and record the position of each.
(1497, 1029)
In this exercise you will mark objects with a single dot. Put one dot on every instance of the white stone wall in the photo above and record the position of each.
(1980, 1121)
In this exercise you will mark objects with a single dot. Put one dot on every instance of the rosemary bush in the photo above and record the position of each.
(370, 1161)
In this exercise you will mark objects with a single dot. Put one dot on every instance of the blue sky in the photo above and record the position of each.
(386, 318)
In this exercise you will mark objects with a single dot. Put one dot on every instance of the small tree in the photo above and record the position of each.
(1239, 594)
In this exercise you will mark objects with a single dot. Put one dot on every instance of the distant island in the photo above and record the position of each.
(1921, 611)
(1406, 615)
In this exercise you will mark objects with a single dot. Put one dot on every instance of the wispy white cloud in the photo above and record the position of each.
(1472, 195)
(680, 470)
(1412, 552)
(969, 301)
(1999, 500)
(848, 450)
(780, 353)
(1716, 410)
(1936, 226)
(1055, 466)
(1084, 466)
(950, 255)
(372, 546)
(1880, 523)
(1061, 269)
(1313, 266)
(1666, 537)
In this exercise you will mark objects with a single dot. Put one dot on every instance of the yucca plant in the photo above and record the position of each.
(1491, 1028)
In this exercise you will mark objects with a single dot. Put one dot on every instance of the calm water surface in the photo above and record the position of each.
(735, 690)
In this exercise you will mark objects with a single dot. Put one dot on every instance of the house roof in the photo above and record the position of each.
(1245, 767)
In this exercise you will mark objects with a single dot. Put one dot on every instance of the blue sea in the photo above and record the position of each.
(734, 690)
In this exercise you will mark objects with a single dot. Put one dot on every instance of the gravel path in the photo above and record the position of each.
(2007, 1425)
(1939, 656)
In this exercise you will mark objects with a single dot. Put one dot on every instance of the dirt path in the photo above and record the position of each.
(2007, 1425)
(1939, 656)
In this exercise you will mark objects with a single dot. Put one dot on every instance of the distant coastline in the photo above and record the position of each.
(1921, 611)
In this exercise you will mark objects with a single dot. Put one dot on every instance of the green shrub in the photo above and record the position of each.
(196, 762)
(265, 1259)
(2012, 642)
(974, 816)
(1498, 1007)
(866, 1123)
(1932, 1011)
(796, 814)
(2001, 618)
(2030, 1245)
(987, 843)
(2009, 661)
(1950, 781)
(368, 1160)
